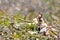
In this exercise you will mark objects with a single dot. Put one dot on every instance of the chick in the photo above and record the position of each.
(41, 25)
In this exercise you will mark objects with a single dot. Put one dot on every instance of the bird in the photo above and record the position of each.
(41, 25)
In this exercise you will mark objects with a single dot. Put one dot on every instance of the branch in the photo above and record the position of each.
(25, 20)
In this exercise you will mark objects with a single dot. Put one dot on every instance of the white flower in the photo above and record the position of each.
(43, 30)
(17, 24)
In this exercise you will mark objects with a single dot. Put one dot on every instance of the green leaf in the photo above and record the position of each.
(6, 21)
(1, 21)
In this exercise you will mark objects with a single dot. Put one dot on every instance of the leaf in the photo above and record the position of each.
(6, 21)
(14, 35)
(1, 21)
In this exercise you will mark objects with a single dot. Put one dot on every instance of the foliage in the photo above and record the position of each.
(22, 31)
(16, 27)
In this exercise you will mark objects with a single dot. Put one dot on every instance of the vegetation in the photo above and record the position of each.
(16, 20)
(16, 28)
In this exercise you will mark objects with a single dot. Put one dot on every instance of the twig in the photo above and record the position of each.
(25, 20)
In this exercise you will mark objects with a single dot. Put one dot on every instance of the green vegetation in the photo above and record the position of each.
(21, 32)
(20, 25)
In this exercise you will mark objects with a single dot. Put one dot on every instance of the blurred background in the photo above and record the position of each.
(29, 8)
